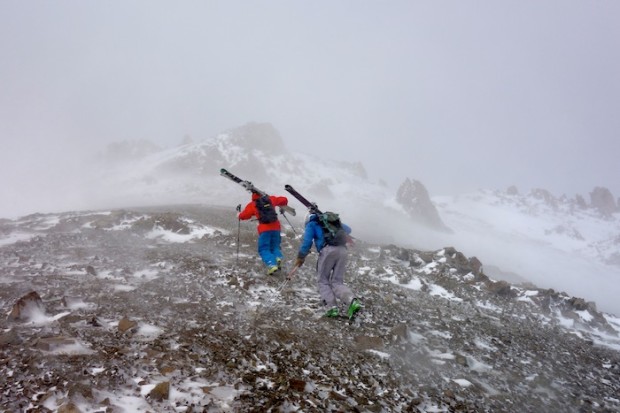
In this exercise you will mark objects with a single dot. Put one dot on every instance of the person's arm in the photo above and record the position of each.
(279, 200)
(306, 244)
(248, 212)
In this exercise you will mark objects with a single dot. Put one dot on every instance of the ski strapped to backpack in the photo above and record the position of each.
(333, 232)
(265, 208)
(311, 205)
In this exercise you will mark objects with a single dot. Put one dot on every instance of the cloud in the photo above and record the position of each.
(456, 97)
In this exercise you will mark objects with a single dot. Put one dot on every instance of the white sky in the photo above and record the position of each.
(459, 95)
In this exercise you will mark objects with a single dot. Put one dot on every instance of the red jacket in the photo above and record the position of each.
(250, 211)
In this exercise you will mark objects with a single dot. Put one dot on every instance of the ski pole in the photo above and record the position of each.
(289, 222)
(290, 274)
(238, 231)
(281, 287)
(279, 290)
(289, 277)
(274, 294)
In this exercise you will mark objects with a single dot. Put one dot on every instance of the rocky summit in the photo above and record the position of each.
(169, 309)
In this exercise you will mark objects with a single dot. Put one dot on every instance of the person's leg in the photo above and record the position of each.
(276, 240)
(325, 264)
(338, 287)
(344, 293)
(264, 248)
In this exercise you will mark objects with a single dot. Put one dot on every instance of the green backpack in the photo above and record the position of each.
(333, 233)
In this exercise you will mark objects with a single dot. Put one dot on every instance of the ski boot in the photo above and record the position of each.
(332, 312)
(354, 307)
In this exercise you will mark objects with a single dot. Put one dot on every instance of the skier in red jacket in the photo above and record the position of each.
(269, 238)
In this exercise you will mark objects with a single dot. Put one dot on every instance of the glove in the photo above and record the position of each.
(299, 261)
(239, 208)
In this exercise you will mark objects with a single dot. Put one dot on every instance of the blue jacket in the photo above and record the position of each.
(314, 232)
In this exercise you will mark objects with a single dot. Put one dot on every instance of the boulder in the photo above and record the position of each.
(26, 307)
(126, 324)
(161, 391)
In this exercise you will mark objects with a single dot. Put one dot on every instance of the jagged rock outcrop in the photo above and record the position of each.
(545, 196)
(602, 199)
(414, 198)
(580, 202)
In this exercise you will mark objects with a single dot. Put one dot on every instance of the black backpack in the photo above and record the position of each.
(333, 233)
(266, 211)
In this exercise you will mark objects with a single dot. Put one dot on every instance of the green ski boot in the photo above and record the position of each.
(354, 307)
(332, 312)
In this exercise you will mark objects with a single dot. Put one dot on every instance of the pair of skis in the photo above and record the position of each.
(251, 188)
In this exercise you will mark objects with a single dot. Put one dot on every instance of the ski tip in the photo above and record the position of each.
(288, 209)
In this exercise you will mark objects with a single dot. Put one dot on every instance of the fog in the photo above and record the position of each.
(458, 95)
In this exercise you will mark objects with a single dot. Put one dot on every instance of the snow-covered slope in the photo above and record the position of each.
(190, 172)
(552, 242)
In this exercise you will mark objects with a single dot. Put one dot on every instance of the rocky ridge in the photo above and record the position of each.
(414, 198)
(152, 309)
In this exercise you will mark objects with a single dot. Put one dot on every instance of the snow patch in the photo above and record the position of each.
(463, 382)
(439, 291)
(16, 237)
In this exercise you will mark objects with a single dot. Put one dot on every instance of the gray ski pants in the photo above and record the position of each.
(331, 266)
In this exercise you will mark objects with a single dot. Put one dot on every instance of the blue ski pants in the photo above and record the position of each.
(269, 247)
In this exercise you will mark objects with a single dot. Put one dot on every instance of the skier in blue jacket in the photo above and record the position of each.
(330, 237)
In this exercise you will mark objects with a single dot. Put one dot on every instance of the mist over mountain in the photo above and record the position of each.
(255, 151)
(570, 244)
(532, 235)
